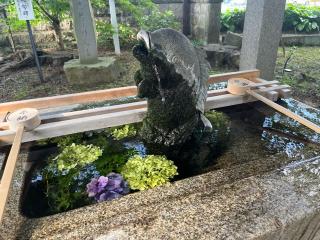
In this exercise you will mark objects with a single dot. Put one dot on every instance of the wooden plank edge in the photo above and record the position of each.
(283, 93)
(114, 108)
(249, 74)
(90, 123)
(103, 95)
(63, 100)
(9, 169)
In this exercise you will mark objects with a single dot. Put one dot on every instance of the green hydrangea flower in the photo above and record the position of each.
(124, 132)
(77, 155)
(149, 172)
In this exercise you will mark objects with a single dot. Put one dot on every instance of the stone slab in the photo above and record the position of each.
(263, 199)
(301, 39)
(233, 39)
(106, 70)
(282, 204)
(222, 55)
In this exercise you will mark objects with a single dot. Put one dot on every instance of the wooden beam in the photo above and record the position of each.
(250, 74)
(283, 93)
(62, 100)
(7, 176)
(112, 109)
(274, 88)
(61, 128)
(103, 95)
(93, 112)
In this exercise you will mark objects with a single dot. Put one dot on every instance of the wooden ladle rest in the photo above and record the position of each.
(241, 87)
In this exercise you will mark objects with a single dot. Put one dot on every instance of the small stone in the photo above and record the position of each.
(233, 39)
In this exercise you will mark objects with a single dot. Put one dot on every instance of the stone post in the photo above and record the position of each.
(90, 69)
(205, 20)
(261, 36)
(85, 31)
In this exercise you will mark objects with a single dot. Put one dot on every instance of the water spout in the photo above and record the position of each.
(163, 99)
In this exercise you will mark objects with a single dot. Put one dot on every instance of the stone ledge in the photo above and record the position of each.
(216, 205)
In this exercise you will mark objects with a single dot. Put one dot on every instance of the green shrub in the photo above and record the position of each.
(15, 24)
(77, 155)
(127, 34)
(156, 20)
(124, 132)
(233, 20)
(301, 18)
(297, 17)
(149, 172)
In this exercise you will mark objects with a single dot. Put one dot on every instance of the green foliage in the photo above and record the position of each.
(105, 32)
(297, 17)
(136, 8)
(65, 191)
(45, 11)
(218, 120)
(124, 132)
(301, 18)
(127, 33)
(233, 20)
(77, 155)
(113, 159)
(221, 128)
(58, 9)
(15, 24)
(62, 141)
(158, 19)
(149, 172)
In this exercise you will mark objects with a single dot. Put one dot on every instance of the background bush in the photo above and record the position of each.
(297, 18)
(233, 20)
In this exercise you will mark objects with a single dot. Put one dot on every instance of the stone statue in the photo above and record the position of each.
(173, 77)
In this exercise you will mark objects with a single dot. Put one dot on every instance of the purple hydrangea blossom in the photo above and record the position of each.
(107, 188)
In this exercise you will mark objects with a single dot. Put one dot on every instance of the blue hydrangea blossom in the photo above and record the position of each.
(107, 188)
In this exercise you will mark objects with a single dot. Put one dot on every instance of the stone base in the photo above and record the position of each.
(222, 55)
(106, 70)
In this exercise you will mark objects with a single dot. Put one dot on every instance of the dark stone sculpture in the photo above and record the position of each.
(173, 77)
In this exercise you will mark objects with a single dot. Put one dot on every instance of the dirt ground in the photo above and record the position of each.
(24, 83)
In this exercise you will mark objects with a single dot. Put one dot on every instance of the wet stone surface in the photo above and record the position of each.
(264, 185)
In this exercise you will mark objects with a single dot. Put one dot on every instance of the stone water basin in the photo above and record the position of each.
(264, 185)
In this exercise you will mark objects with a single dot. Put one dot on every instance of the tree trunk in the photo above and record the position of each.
(186, 18)
(58, 34)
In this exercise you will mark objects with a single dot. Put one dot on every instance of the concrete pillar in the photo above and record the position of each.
(261, 35)
(85, 31)
(205, 20)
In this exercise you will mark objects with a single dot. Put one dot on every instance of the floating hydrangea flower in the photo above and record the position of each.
(107, 188)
